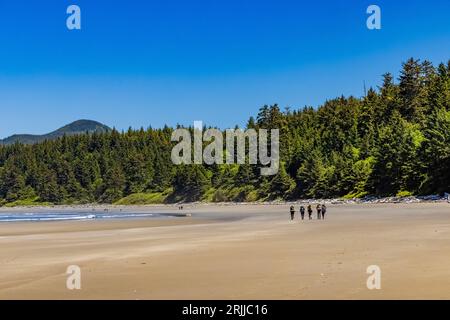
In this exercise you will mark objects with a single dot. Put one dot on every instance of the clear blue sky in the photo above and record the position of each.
(141, 63)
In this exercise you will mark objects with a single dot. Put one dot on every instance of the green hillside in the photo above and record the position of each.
(393, 141)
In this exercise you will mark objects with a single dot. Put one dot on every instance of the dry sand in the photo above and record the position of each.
(234, 252)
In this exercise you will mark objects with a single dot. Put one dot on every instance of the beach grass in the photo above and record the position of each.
(144, 198)
(26, 203)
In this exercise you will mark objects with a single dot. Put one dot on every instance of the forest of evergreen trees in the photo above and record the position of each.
(393, 141)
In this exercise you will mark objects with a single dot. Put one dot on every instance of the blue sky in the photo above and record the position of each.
(141, 63)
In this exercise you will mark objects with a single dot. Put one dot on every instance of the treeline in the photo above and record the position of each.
(393, 141)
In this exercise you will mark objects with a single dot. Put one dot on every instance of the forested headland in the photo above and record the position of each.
(393, 141)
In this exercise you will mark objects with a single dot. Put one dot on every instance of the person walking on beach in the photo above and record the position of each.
(309, 211)
(302, 212)
(292, 212)
(319, 211)
(324, 210)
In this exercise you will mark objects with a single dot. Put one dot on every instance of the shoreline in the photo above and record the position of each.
(234, 252)
(189, 205)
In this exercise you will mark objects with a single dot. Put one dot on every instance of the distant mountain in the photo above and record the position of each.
(77, 127)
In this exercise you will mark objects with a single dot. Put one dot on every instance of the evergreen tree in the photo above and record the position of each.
(394, 139)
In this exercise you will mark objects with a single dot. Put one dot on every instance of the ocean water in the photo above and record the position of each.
(61, 216)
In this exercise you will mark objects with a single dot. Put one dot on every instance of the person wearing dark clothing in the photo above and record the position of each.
(324, 210)
(302, 212)
(310, 212)
(292, 212)
(319, 211)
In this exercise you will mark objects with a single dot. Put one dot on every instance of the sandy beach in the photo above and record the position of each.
(233, 252)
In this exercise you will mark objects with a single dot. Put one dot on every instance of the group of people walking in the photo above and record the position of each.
(321, 210)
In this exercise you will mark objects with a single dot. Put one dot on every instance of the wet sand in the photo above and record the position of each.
(233, 252)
